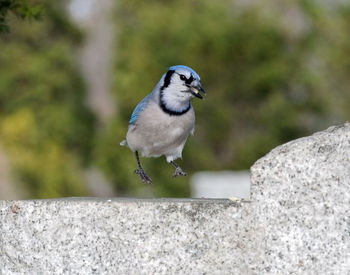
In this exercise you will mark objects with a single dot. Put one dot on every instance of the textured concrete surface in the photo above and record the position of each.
(301, 193)
(90, 236)
(296, 222)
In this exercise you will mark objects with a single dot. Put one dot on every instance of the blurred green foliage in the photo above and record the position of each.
(272, 71)
(44, 125)
(21, 8)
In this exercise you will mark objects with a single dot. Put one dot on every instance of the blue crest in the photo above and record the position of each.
(186, 68)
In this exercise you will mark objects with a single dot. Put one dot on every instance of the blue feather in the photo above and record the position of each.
(139, 108)
(185, 67)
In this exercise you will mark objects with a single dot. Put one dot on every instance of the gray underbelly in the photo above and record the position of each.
(157, 141)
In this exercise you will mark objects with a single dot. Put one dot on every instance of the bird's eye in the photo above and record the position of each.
(182, 77)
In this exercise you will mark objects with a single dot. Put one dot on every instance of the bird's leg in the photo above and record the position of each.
(178, 170)
(139, 171)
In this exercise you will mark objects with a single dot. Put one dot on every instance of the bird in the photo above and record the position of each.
(162, 121)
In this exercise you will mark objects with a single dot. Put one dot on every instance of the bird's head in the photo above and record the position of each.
(180, 85)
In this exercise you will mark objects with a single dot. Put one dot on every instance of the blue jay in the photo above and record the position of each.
(163, 120)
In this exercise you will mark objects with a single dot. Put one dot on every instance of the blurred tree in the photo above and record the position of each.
(263, 67)
(274, 71)
(44, 124)
(337, 60)
(20, 8)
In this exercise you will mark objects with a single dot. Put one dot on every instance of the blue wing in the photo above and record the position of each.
(139, 108)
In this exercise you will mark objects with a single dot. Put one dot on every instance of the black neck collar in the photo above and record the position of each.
(172, 112)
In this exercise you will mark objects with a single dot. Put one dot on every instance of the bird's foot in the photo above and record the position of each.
(143, 176)
(179, 172)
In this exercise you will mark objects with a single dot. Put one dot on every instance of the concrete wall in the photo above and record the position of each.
(297, 221)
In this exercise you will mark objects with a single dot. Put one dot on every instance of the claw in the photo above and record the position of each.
(179, 172)
(143, 176)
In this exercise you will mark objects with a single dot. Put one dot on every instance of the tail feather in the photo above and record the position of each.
(124, 143)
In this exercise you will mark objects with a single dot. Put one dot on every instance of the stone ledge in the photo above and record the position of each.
(124, 236)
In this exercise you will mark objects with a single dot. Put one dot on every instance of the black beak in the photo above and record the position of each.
(196, 90)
